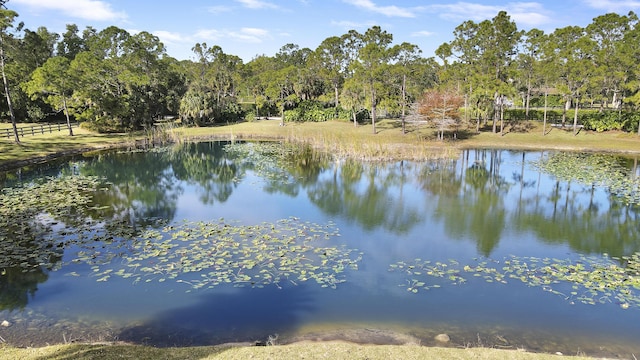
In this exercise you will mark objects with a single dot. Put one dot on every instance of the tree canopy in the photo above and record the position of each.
(114, 80)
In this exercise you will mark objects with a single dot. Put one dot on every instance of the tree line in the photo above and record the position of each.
(112, 80)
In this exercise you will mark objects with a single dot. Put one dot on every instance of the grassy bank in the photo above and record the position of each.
(340, 138)
(308, 350)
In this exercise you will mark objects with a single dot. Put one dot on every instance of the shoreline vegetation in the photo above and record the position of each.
(342, 140)
(336, 137)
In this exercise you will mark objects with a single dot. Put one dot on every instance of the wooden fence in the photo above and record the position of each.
(36, 130)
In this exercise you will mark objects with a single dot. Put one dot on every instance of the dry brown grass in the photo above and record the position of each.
(341, 139)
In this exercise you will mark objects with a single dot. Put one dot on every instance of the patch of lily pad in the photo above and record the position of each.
(43, 222)
(598, 170)
(587, 280)
(33, 216)
(213, 253)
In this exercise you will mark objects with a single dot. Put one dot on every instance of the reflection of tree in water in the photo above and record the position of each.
(26, 257)
(575, 212)
(562, 217)
(472, 204)
(370, 195)
(17, 286)
(284, 168)
(141, 188)
(207, 165)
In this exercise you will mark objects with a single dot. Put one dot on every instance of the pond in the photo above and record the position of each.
(214, 242)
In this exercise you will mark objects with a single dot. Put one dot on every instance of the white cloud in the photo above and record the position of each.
(423, 33)
(208, 34)
(523, 13)
(391, 11)
(614, 5)
(247, 35)
(349, 25)
(168, 37)
(254, 32)
(218, 9)
(95, 10)
(257, 4)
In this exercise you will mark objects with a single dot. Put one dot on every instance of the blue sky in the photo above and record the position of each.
(247, 28)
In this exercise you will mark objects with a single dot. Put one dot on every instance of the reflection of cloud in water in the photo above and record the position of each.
(244, 316)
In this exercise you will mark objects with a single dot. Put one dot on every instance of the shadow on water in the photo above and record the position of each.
(248, 315)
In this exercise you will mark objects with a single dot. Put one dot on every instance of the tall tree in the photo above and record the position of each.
(574, 52)
(407, 56)
(611, 70)
(6, 21)
(71, 43)
(504, 38)
(332, 58)
(120, 76)
(631, 57)
(486, 53)
(53, 82)
(373, 64)
(528, 59)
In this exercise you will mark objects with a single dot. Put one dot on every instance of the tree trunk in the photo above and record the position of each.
(373, 108)
(6, 91)
(494, 126)
(566, 106)
(255, 101)
(404, 101)
(282, 115)
(337, 95)
(544, 117)
(501, 120)
(528, 100)
(575, 118)
(496, 111)
(66, 113)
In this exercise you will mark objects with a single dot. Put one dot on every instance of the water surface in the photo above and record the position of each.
(488, 206)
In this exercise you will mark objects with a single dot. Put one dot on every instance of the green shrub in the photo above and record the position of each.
(250, 116)
(313, 111)
(553, 115)
(603, 120)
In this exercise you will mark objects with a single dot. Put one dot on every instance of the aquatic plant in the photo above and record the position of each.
(42, 221)
(212, 253)
(587, 280)
(598, 170)
(33, 217)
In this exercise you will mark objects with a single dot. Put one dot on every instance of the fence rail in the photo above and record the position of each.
(36, 130)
